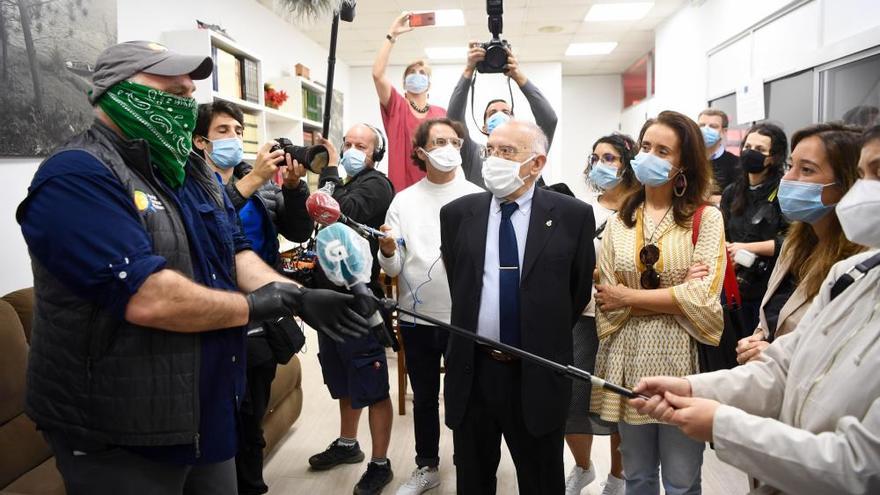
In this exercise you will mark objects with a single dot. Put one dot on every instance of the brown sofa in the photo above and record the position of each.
(26, 463)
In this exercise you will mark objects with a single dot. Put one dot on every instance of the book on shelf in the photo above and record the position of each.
(251, 135)
(250, 84)
(228, 71)
(313, 105)
(309, 138)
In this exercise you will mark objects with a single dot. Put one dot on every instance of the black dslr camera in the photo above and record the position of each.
(314, 158)
(496, 48)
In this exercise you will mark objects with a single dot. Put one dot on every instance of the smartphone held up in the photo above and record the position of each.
(422, 19)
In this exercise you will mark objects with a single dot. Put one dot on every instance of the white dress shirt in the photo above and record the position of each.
(489, 324)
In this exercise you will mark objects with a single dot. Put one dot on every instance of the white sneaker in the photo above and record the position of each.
(421, 480)
(578, 478)
(613, 486)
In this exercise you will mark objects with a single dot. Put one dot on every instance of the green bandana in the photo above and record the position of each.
(164, 121)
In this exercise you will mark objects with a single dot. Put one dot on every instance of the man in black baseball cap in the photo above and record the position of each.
(144, 284)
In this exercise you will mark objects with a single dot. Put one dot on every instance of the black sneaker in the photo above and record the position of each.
(335, 455)
(374, 479)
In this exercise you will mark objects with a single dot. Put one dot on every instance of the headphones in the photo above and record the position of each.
(379, 151)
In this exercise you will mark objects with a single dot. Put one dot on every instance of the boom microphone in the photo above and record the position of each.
(346, 260)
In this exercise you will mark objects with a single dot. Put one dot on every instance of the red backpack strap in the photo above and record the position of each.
(731, 287)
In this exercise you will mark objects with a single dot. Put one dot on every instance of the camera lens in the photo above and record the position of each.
(314, 158)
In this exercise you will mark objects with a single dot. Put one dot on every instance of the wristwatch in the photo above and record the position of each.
(390, 38)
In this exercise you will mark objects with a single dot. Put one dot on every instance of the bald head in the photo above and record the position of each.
(364, 138)
(528, 136)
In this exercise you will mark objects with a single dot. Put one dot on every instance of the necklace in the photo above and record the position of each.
(651, 239)
(417, 108)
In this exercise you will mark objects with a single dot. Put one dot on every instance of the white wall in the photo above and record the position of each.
(15, 264)
(817, 32)
(592, 110)
(547, 76)
(279, 44)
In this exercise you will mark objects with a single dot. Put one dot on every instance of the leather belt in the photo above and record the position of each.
(496, 355)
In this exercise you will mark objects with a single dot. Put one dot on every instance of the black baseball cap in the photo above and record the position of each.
(121, 61)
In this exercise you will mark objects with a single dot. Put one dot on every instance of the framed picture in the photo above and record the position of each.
(47, 52)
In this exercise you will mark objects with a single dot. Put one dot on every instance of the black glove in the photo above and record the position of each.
(330, 312)
(273, 301)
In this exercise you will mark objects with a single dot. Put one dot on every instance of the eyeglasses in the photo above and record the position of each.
(650, 255)
(605, 157)
(506, 152)
(441, 142)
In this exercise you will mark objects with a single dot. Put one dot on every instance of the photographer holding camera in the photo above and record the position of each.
(402, 114)
(489, 58)
(265, 210)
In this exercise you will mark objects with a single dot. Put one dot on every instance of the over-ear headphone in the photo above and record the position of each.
(378, 151)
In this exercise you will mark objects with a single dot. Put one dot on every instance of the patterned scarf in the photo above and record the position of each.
(163, 120)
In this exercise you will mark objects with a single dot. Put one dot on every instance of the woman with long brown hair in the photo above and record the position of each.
(824, 165)
(651, 314)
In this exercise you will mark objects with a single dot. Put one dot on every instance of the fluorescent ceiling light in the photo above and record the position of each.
(446, 52)
(449, 17)
(630, 11)
(579, 49)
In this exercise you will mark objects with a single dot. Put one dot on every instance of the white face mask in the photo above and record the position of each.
(502, 176)
(858, 213)
(444, 159)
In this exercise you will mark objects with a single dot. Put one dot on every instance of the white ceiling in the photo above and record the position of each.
(359, 41)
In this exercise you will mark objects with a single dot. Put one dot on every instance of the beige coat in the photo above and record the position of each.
(792, 311)
(805, 419)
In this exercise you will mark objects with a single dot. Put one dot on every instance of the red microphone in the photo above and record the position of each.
(323, 208)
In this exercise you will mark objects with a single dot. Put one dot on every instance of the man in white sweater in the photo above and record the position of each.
(414, 218)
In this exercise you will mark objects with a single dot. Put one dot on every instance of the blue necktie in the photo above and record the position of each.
(508, 277)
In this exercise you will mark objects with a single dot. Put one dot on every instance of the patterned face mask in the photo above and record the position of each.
(163, 120)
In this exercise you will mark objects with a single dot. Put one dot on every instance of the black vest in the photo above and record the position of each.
(93, 374)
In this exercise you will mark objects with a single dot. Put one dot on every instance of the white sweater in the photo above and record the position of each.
(414, 216)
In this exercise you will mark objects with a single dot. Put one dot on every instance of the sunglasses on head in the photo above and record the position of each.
(650, 255)
(605, 157)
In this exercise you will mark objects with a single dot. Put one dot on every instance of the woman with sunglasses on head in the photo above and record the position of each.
(609, 174)
(753, 222)
(824, 165)
(651, 311)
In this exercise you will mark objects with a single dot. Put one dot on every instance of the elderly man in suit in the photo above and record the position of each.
(520, 261)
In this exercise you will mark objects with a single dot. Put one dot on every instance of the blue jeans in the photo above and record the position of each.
(645, 448)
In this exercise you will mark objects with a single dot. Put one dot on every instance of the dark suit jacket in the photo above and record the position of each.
(555, 285)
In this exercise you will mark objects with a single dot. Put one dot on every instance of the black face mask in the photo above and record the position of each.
(752, 161)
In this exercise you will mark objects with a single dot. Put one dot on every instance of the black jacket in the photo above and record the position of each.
(725, 170)
(284, 207)
(555, 285)
(93, 374)
(761, 220)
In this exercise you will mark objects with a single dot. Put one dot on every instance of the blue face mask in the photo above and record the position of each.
(495, 120)
(604, 176)
(651, 170)
(353, 161)
(802, 201)
(226, 153)
(710, 136)
(416, 83)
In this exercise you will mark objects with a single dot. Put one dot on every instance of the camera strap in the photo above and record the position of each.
(473, 87)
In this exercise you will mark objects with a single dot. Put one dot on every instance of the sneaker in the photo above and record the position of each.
(374, 479)
(335, 455)
(613, 486)
(421, 480)
(578, 478)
